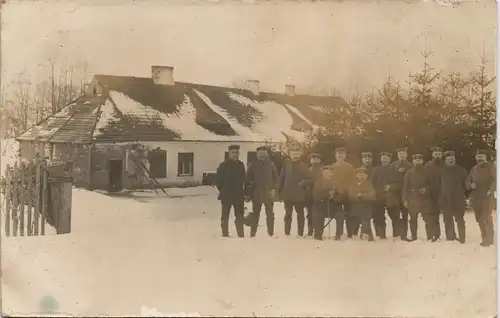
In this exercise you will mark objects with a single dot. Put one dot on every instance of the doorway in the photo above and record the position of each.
(115, 175)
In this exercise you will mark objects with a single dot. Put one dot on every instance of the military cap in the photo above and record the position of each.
(436, 149)
(261, 148)
(386, 154)
(315, 155)
(361, 170)
(405, 149)
(449, 153)
(327, 168)
(233, 147)
(366, 154)
(481, 152)
(417, 156)
(340, 149)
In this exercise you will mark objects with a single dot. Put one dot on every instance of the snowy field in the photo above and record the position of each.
(126, 253)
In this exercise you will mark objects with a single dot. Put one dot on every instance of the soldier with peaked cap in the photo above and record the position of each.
(230, 181)
(294, 178)
(362, 196)
(452, 197)
(482, 183)
(344, 175)
(386, 200)
(416, 196)
(398, 171)
(316, 167)
(435, 167)
(262, 184)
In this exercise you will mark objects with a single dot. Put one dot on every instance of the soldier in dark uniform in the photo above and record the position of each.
(386, 200)
(416, 196)
(316, 170)
(367, 163)
(323, 193)
(344, 175)
(262, 183)
(362, 197)
(435, 166)
(482, 183)
(294, 179)
(452, 197)
(398, 170)
(230, 181)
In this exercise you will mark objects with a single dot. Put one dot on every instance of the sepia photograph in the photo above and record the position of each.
(249, 158)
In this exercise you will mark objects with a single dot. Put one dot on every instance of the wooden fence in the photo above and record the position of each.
(31, 198)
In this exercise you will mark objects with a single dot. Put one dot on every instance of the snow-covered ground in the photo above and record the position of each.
(130, 253)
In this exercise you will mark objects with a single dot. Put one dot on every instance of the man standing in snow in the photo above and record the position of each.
(435, 166)
(262, 182)
(322, 196)
(294, 178)
(398, 170)
(362, 197)
(230, 181)
(316, 170)
(482, 183)
(452, 198)
(386, 200)
(344, 175)
(416, 197)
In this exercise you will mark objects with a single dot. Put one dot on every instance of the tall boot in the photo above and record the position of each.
(288, 226)
(488, 233)
(300, 226)
(429, 231)
(225, 229)
(254, 224)
(461, 231)
(270, 226)
(239, 228)
(483, 233)
(414, 228)
(310, 225)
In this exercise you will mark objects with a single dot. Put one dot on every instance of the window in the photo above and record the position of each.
(157, 163)
(185, 164)
(251, 156)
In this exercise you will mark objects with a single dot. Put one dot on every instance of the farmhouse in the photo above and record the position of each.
(130, 132)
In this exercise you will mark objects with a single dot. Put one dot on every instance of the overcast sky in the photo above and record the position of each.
(310, 44)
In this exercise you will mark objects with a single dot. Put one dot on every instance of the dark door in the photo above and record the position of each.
(115, 175)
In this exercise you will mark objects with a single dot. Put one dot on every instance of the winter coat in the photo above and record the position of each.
(322, 188)
(382, 176)
(230, 180)
(344, 175)
(484, 176)
(452, 188)
(416, 179)
(262, 177)
(434, 168)
(316, 171)
(398, 171)
(369, 170)
(361, 205)
(294, 179)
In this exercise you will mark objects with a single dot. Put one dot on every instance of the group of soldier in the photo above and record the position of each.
(359, 198)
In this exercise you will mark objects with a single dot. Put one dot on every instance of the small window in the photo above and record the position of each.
(251, 156)
(157, 163)
(185, 164)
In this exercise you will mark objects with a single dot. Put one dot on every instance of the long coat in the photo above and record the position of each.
(434, 168)
(382, 176)
(231, 180)
(452, 188)
(484, 176)
(316, 173)
(344, 175)
(398, 171)
(294, 179)
(416, 179)
(262, 177)
(361, 204)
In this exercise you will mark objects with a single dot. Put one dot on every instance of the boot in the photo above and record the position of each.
(395, 229)
(300, 226)
(483, 234)
(225, 229)
(239, 229)
(461, 232)
(488, 233)
(288, 227)
(414, 229)
(254, 221)
(270, 226)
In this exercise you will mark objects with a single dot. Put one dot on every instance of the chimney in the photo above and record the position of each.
(163, 75)
(253, 86)
(290, 90)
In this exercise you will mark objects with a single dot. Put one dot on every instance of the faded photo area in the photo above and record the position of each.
(248, 158)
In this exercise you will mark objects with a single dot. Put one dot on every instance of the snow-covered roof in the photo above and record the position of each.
(136, 109)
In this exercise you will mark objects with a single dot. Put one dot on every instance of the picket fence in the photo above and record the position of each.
(24, 191)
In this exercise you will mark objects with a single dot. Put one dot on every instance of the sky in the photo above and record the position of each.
(314, 45)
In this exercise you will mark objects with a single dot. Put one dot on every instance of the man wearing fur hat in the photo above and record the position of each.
(452, 197)
(316, 168)
(435, 166)
(385, 199)
(262, 183)
(230, 181)
(416, 197)
(344, 175)
(294, 179)
(482, 184)
(398, 171)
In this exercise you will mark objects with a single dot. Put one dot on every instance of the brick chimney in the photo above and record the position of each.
(253, 86)
(290, 90)
(163, 75)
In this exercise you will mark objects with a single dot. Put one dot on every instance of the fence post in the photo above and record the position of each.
(15, 199)
(8, 189)
(22, 198)
(36, 218)
(30, 197)
(45, 197)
